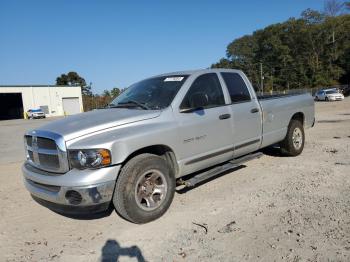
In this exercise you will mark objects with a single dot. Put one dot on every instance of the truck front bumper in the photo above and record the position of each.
(75, 192)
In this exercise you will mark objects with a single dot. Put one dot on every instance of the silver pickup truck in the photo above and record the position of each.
(168, 130)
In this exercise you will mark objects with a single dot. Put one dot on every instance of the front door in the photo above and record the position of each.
(205, 134)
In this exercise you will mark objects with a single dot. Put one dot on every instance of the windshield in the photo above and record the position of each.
(331, 92)
(36, 110)
(154, 93)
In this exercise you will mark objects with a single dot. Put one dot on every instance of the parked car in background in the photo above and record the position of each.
(35, 113)
(329, 95)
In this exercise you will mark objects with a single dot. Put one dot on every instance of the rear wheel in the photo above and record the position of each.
(144, 189)
(293, 144)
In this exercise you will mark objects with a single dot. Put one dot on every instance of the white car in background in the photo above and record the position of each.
(329, 95)
(35, 113)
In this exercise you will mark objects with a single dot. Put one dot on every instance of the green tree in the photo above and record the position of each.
(106, 93)
(62, 80)
(115, 92)
(74, 79)
(307, 52)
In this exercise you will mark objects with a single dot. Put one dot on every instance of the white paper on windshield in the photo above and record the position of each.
(174, 79)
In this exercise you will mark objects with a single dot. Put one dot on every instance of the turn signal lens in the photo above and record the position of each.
(106, 157)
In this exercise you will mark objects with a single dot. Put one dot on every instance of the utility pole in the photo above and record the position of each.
(261, 79)
(94, 102)
(272, 73)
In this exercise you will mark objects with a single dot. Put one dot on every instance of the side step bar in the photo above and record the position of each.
(218, 169)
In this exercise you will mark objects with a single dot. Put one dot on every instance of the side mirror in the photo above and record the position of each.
(199, 100)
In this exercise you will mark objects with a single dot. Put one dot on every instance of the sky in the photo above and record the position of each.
(116, 43)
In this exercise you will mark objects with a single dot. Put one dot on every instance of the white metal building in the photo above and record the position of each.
(15, 100)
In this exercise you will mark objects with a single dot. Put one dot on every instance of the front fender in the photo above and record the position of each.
(124, 140)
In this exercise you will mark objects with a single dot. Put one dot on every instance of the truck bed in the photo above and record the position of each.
(278, 109)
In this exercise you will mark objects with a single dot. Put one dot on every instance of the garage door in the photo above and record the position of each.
(71, 105)
(11, 106)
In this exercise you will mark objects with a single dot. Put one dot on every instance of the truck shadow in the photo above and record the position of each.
(112, 251)
(274, 150)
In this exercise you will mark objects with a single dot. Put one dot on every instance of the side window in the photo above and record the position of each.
(209, 85)
(236, 87)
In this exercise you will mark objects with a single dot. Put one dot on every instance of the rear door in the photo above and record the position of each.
(245, 109)
(205, 135)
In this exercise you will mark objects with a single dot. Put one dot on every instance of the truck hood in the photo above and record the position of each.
(85, 123)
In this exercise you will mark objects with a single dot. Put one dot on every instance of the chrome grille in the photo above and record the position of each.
(31, 157)
(46, 143)
(28, 140)
(49, 161)
(47, 151)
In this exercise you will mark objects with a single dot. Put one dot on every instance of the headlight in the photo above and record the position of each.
(89, 158)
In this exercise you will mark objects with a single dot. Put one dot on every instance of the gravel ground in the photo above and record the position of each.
(273, 209)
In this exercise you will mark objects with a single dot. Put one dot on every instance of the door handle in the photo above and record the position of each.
(254, 110)
(224, 116)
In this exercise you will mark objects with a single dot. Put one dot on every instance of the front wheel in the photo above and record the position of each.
(326, 99)
(293, 143)
(144, 189)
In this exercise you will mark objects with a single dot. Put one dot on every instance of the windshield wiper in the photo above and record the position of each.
(130, 103)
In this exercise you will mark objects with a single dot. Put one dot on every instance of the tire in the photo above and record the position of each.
(293, 143)
(133, 196)
(316, 98)
(326, 99)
